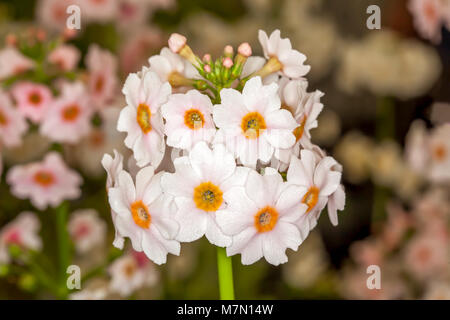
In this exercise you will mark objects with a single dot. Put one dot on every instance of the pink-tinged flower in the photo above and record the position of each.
(396, 226)
(12, 123)
(69, 116)
(432, 207)
(368, 252)
(113, 167)
(131, 272)
(251, 124)
(23, 231)
(99, 10)
(197, 186)
(33, 100)
(439, 148)
(145, 215)
(102, 67)
(305, 113)
(45, 183)
(86, 229)
(426, 255)
(141, 118)
(169, 66)
(52, 13)
(65, 57)
(260, 217)
(437, 290)
(428, 17)
(318, 182)
(280, 50)
(12, 62)
(135, 50)
(188, 119)
(176, 42)
(132, 13)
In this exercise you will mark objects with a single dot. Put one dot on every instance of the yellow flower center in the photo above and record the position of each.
(311, 197)
(208, 196)
(44, 178)
(129, 269)
(70, 113)
(298, 132)
(252, 124)
(266, 219)
(143, 118)
(140, 214)
(193, 119)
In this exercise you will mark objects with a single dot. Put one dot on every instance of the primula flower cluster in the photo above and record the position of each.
(224, 151)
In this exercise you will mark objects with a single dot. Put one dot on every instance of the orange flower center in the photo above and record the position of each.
(3, 119)
(44, 178)
(99, 84)
(252, 124)
(266, 219)
(143, 118)
(35, 98)
(70, 113)
(208, 196)
(129, 269)
(140, 214)
(298, 132)
(193, 119)
(430, 11)
(311, 197)
(439, 152)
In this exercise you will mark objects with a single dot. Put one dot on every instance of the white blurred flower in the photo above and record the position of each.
(86, 229)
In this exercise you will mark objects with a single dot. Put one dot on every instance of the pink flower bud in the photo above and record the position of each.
(177, 42)
(245, 49)
(207, 58)
(228, 50)
(207, 68)
(227, 62)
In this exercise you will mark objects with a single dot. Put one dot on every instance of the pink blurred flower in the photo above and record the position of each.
(23, 232)
(432, 206)
(99, 10)
(131, 272)
(398, 222)
(86, 229)
(427, 255)
(428, 17)
(45, 183)
(68, 119)
(132, 13)
(12, 62)
(65, 56)
(439, 146)
(12, 123)
(368, 252)
(52, 13)
(136, 49)
(32, 100)
(102, 67)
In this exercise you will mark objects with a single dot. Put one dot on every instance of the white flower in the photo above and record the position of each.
(86, 229)
(318, 182)
(13, 62)
(141, 118)
(188, 119)
(198, 185)
(22, 231)
(261, 217)
(131, 272)
(251, 123)
(290, 59)
(144, 214)
(113, 167)
(439, 149)
(428, 17)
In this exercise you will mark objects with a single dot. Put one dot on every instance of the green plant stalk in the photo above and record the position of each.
(225, 274)
(63, 244)
(384, 129)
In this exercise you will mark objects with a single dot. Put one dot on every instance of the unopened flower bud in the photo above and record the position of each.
(227, 63)
(207, 58)
(228, 51)
(245, 49)
(207, 68)
(177, 42)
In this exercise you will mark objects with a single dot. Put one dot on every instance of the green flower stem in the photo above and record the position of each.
(225, 271)
(384, 129)
(63, 243)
